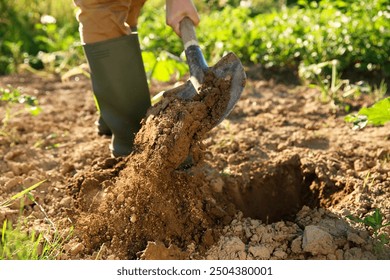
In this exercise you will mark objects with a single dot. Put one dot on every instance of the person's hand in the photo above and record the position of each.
(179, 9)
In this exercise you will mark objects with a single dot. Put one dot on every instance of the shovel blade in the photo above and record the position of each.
(228, 67)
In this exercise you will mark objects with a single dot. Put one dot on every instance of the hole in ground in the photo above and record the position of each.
(276, 191)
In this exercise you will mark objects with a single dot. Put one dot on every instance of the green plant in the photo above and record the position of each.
(340, 92)
(9, 97)
(355, 33)
(45, 27)
(17, 244)
(60, 49)
(17, 196)
(163, 66)
(378, 114)
(374, 223)
(330, 85)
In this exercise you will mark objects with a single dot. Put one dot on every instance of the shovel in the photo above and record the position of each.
(228, 67)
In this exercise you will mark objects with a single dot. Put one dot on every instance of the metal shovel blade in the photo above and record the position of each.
(228, 68)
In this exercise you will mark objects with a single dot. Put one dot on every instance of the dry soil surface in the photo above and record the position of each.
(275, 180)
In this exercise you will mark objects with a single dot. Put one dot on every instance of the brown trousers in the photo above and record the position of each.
(101, 20)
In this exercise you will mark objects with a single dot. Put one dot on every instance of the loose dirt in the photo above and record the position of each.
(275, 180)
(152, 199)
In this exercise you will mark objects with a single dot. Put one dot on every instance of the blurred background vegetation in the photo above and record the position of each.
(304, 37)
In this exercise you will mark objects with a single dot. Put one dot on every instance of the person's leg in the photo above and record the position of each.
(117, 72)
(100, 20)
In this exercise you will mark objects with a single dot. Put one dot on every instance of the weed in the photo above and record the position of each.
(332, 88)
(28, 34)
(375, 223)
(367, 183)
(17, 196)
(378, 114)
(17, 244)
(9, 97)
(375, 92)
(339, 92)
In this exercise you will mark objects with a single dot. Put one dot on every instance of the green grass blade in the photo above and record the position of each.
(3, 231)
(20, 194)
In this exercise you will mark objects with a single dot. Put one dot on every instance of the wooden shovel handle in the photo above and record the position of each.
(188, 35)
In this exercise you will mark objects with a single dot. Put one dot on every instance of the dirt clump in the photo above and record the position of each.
(174, 128)
(151, 200)
(317, 234)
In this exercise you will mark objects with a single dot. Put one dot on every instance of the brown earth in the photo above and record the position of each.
(275, 180)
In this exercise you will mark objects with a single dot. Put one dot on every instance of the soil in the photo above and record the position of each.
(275, 180)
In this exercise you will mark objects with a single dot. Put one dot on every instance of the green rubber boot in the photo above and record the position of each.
(102, 127)
(120, 87)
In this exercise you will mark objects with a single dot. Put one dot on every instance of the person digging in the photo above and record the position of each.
(108, 32)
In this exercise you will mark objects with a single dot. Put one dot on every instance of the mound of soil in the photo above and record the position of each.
(151, 198)
(276, 180)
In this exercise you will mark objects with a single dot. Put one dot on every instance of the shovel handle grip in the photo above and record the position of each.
(188, 35)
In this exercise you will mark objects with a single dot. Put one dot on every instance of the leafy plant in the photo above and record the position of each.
(355, 33)
(378, 114)
(375, 223)
(60, 49)
(9, 97)
(26, 32)
(351, 32)
(163, 67)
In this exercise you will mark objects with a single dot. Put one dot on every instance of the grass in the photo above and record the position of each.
(18, 244)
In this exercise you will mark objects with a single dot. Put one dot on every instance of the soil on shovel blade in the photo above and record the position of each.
(276, 180)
